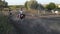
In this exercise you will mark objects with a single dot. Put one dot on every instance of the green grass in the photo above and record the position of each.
(5, 27)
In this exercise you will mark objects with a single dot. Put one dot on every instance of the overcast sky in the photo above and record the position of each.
(21, 2)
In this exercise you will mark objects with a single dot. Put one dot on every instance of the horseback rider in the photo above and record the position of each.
(21, 11)
(21, 15)
(10, 12)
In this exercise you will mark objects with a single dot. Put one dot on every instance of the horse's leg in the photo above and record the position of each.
(19, 19)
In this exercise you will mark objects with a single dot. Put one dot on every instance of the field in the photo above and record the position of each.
(37, 25)
(32, 24)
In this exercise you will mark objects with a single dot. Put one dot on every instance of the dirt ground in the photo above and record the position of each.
(37, 25)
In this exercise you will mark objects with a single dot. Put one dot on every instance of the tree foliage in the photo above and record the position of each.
(3, 4)
(40, 7)
(51, 6)
(31, 4)
(26, 4)
(34, 5)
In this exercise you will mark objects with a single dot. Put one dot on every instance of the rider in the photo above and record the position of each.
(21, 14)
(10, 12)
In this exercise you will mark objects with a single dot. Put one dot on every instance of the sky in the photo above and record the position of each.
(21, 2)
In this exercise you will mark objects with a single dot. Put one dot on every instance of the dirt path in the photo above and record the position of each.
(34, 25)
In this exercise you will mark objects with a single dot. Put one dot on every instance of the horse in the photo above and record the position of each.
(21, 16)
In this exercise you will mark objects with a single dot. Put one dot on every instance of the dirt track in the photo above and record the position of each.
(33, 25)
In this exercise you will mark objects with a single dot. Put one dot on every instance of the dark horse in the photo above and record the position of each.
(21, 16)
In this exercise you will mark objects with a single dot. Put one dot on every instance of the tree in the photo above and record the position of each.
(6, 5)
(31, 4)
(40, 7)
(3, 4)
(51, 6)
(34, 5)
(26, 4)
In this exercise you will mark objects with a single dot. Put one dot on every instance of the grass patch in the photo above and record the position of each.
(5, 27)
